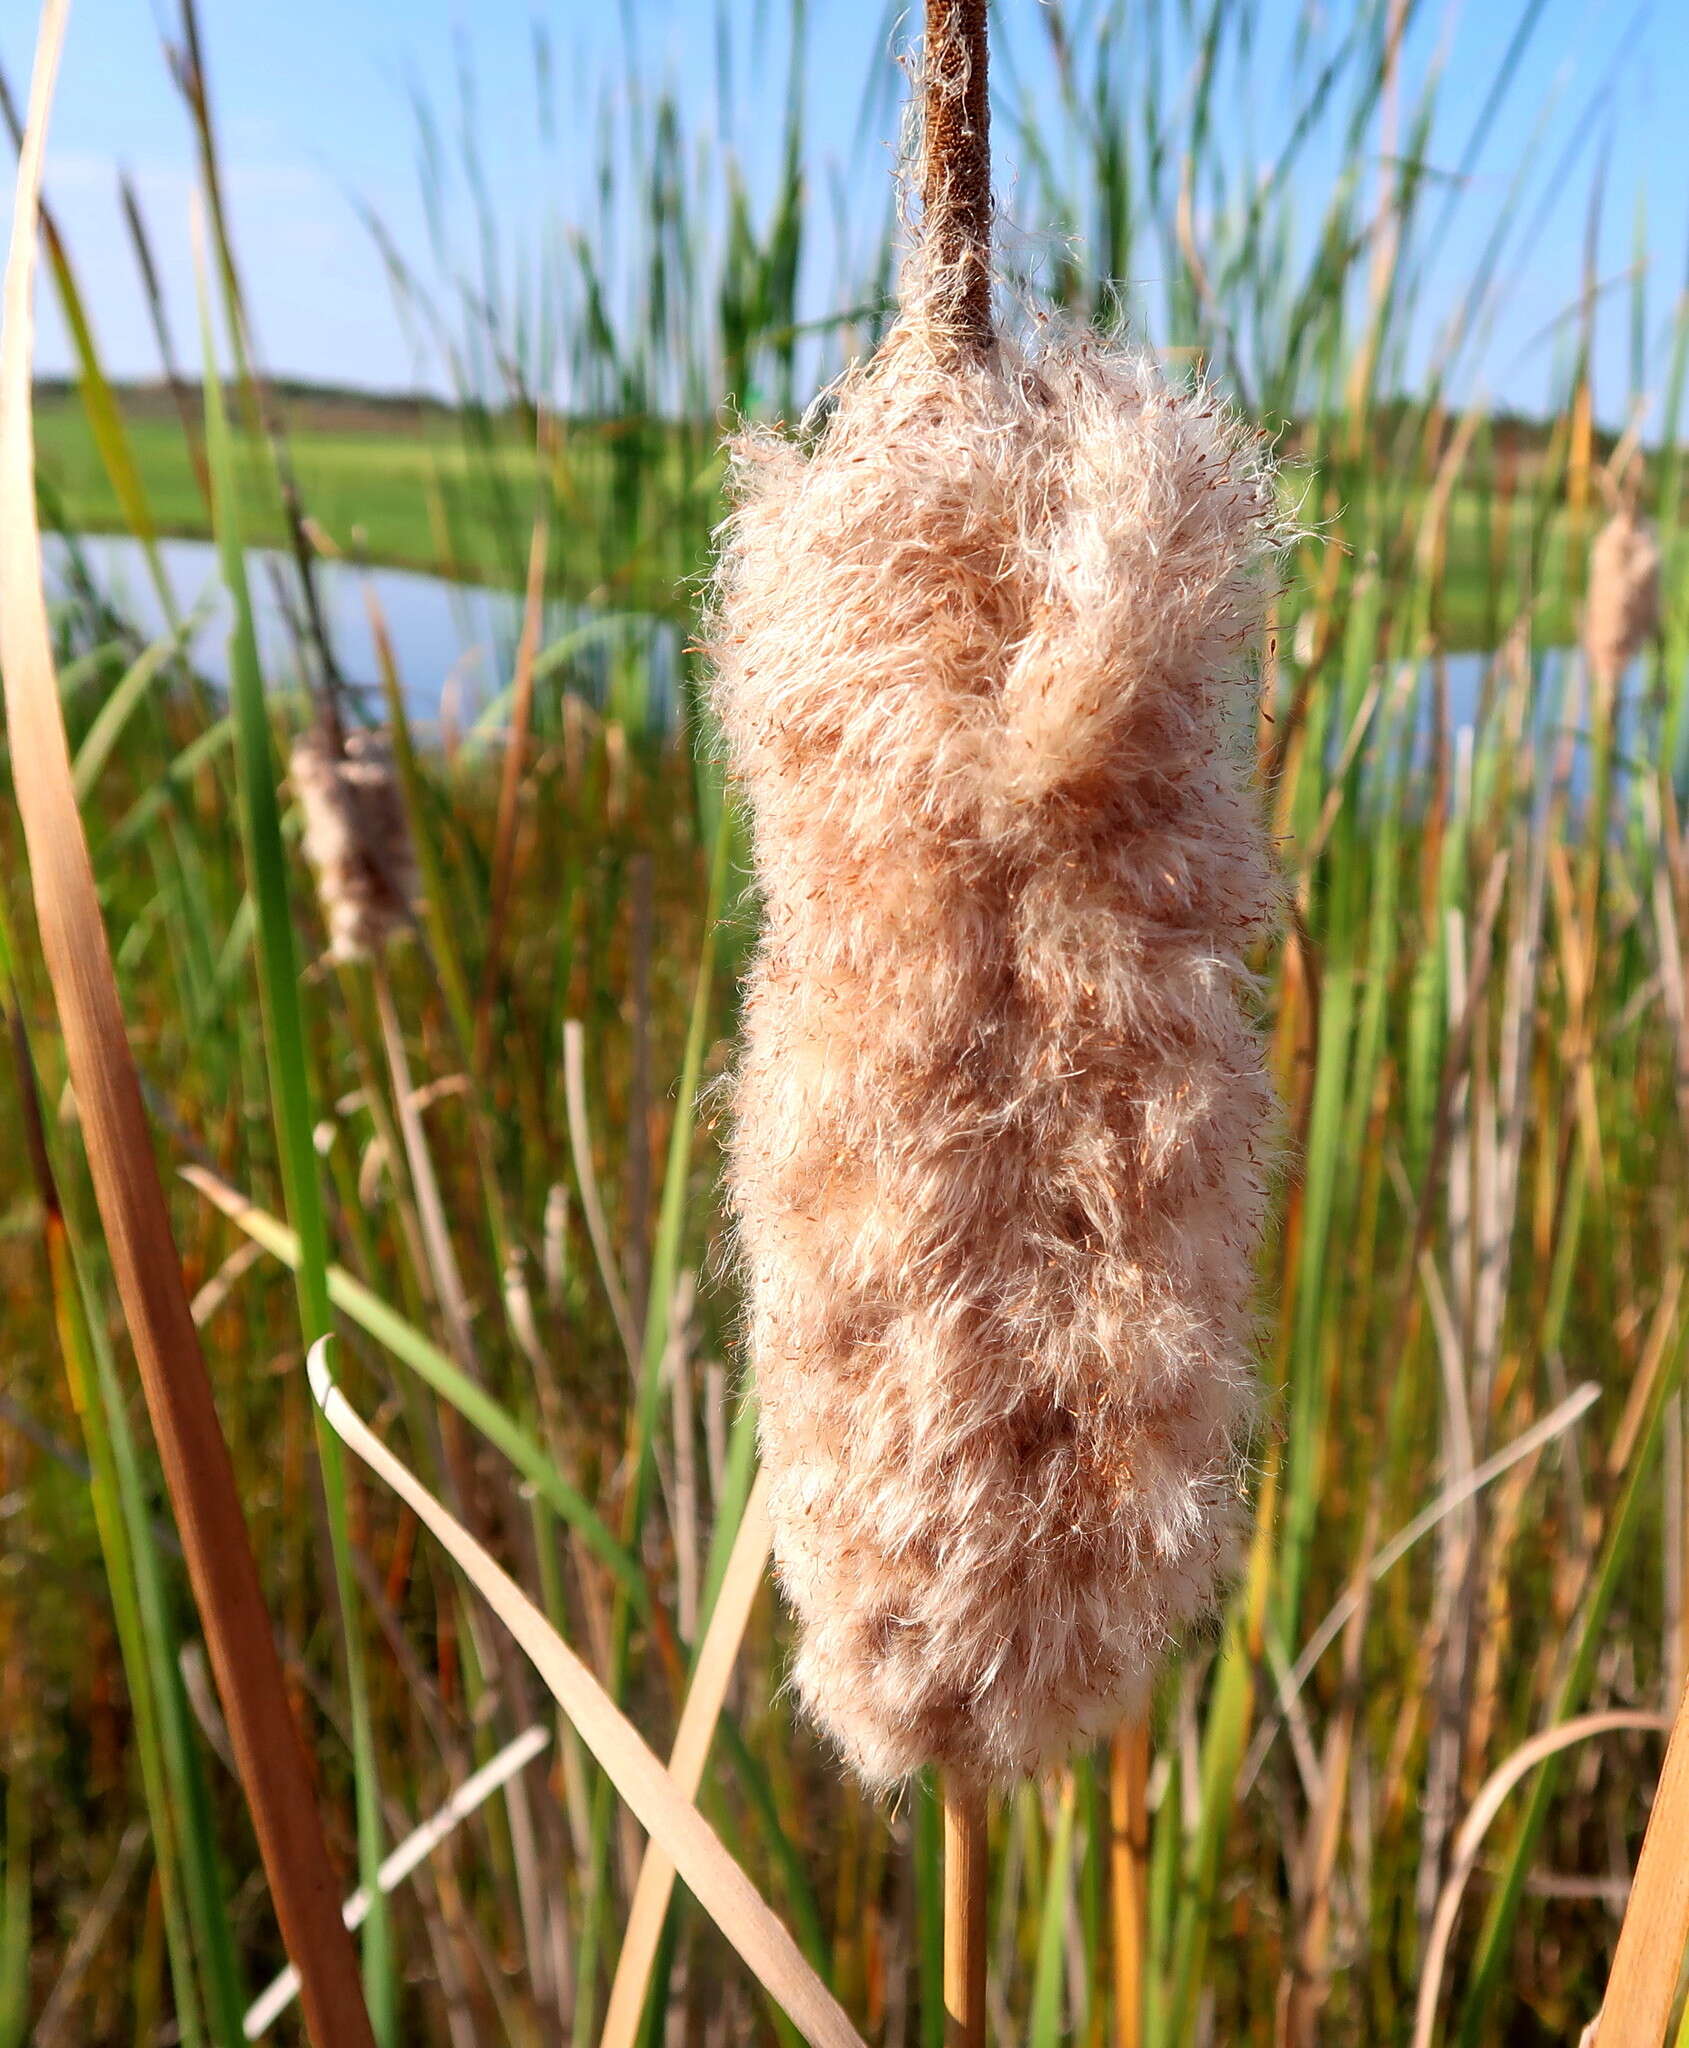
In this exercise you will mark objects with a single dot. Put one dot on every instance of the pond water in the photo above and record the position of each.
(454, 644)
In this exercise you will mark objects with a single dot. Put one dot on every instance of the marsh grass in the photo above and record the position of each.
(1479, 1024)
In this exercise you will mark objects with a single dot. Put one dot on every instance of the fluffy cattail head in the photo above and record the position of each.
(357, 838)
(1624, 593)
(998, 1164)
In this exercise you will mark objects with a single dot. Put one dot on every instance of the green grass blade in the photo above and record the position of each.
(671, 1217)
(16, 1898)
(432, 1365)
(284, 1041)
(105, 418)
(1049, 1975)
(927, 1848)
(126, 696)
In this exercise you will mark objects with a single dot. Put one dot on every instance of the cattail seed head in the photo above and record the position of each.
(357, 839)
(1002, 1128)
(1624, 594)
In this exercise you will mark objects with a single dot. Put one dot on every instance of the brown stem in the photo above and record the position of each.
(198, 1472)
(956, 171)
(965, 1871)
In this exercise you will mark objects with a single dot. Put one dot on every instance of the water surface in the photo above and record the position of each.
(454, 644)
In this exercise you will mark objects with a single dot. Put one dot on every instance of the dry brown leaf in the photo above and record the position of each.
(273, 1768)
(1649, 1958)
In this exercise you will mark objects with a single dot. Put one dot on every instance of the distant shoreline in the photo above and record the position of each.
(309, 406)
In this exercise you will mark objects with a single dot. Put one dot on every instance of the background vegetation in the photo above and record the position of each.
(1473, 1316)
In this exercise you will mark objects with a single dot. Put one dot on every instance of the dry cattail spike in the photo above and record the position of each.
(1623, 613)
(357, 839)
(998, 1163)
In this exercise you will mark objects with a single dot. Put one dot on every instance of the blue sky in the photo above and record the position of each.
(314, 101)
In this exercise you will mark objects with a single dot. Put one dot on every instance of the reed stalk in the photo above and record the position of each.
(273, 1768)
(967, 1876)
(287, 1074)
(1129, 1838)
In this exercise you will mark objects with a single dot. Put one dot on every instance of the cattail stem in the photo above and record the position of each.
(965, 1872)
(956, 171)
(1129, 1873)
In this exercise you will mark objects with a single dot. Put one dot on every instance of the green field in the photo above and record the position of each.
(454, 497)
(632, 504)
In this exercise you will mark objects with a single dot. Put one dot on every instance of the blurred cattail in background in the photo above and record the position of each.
(1000, 1150)
(1624, 589)
(357, 838)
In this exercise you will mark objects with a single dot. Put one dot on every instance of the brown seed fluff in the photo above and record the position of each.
(357, 839)
(1624, 594)
(1002, 1124)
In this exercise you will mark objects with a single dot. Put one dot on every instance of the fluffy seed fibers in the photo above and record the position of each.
(357, 839)
(1001, 1121)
